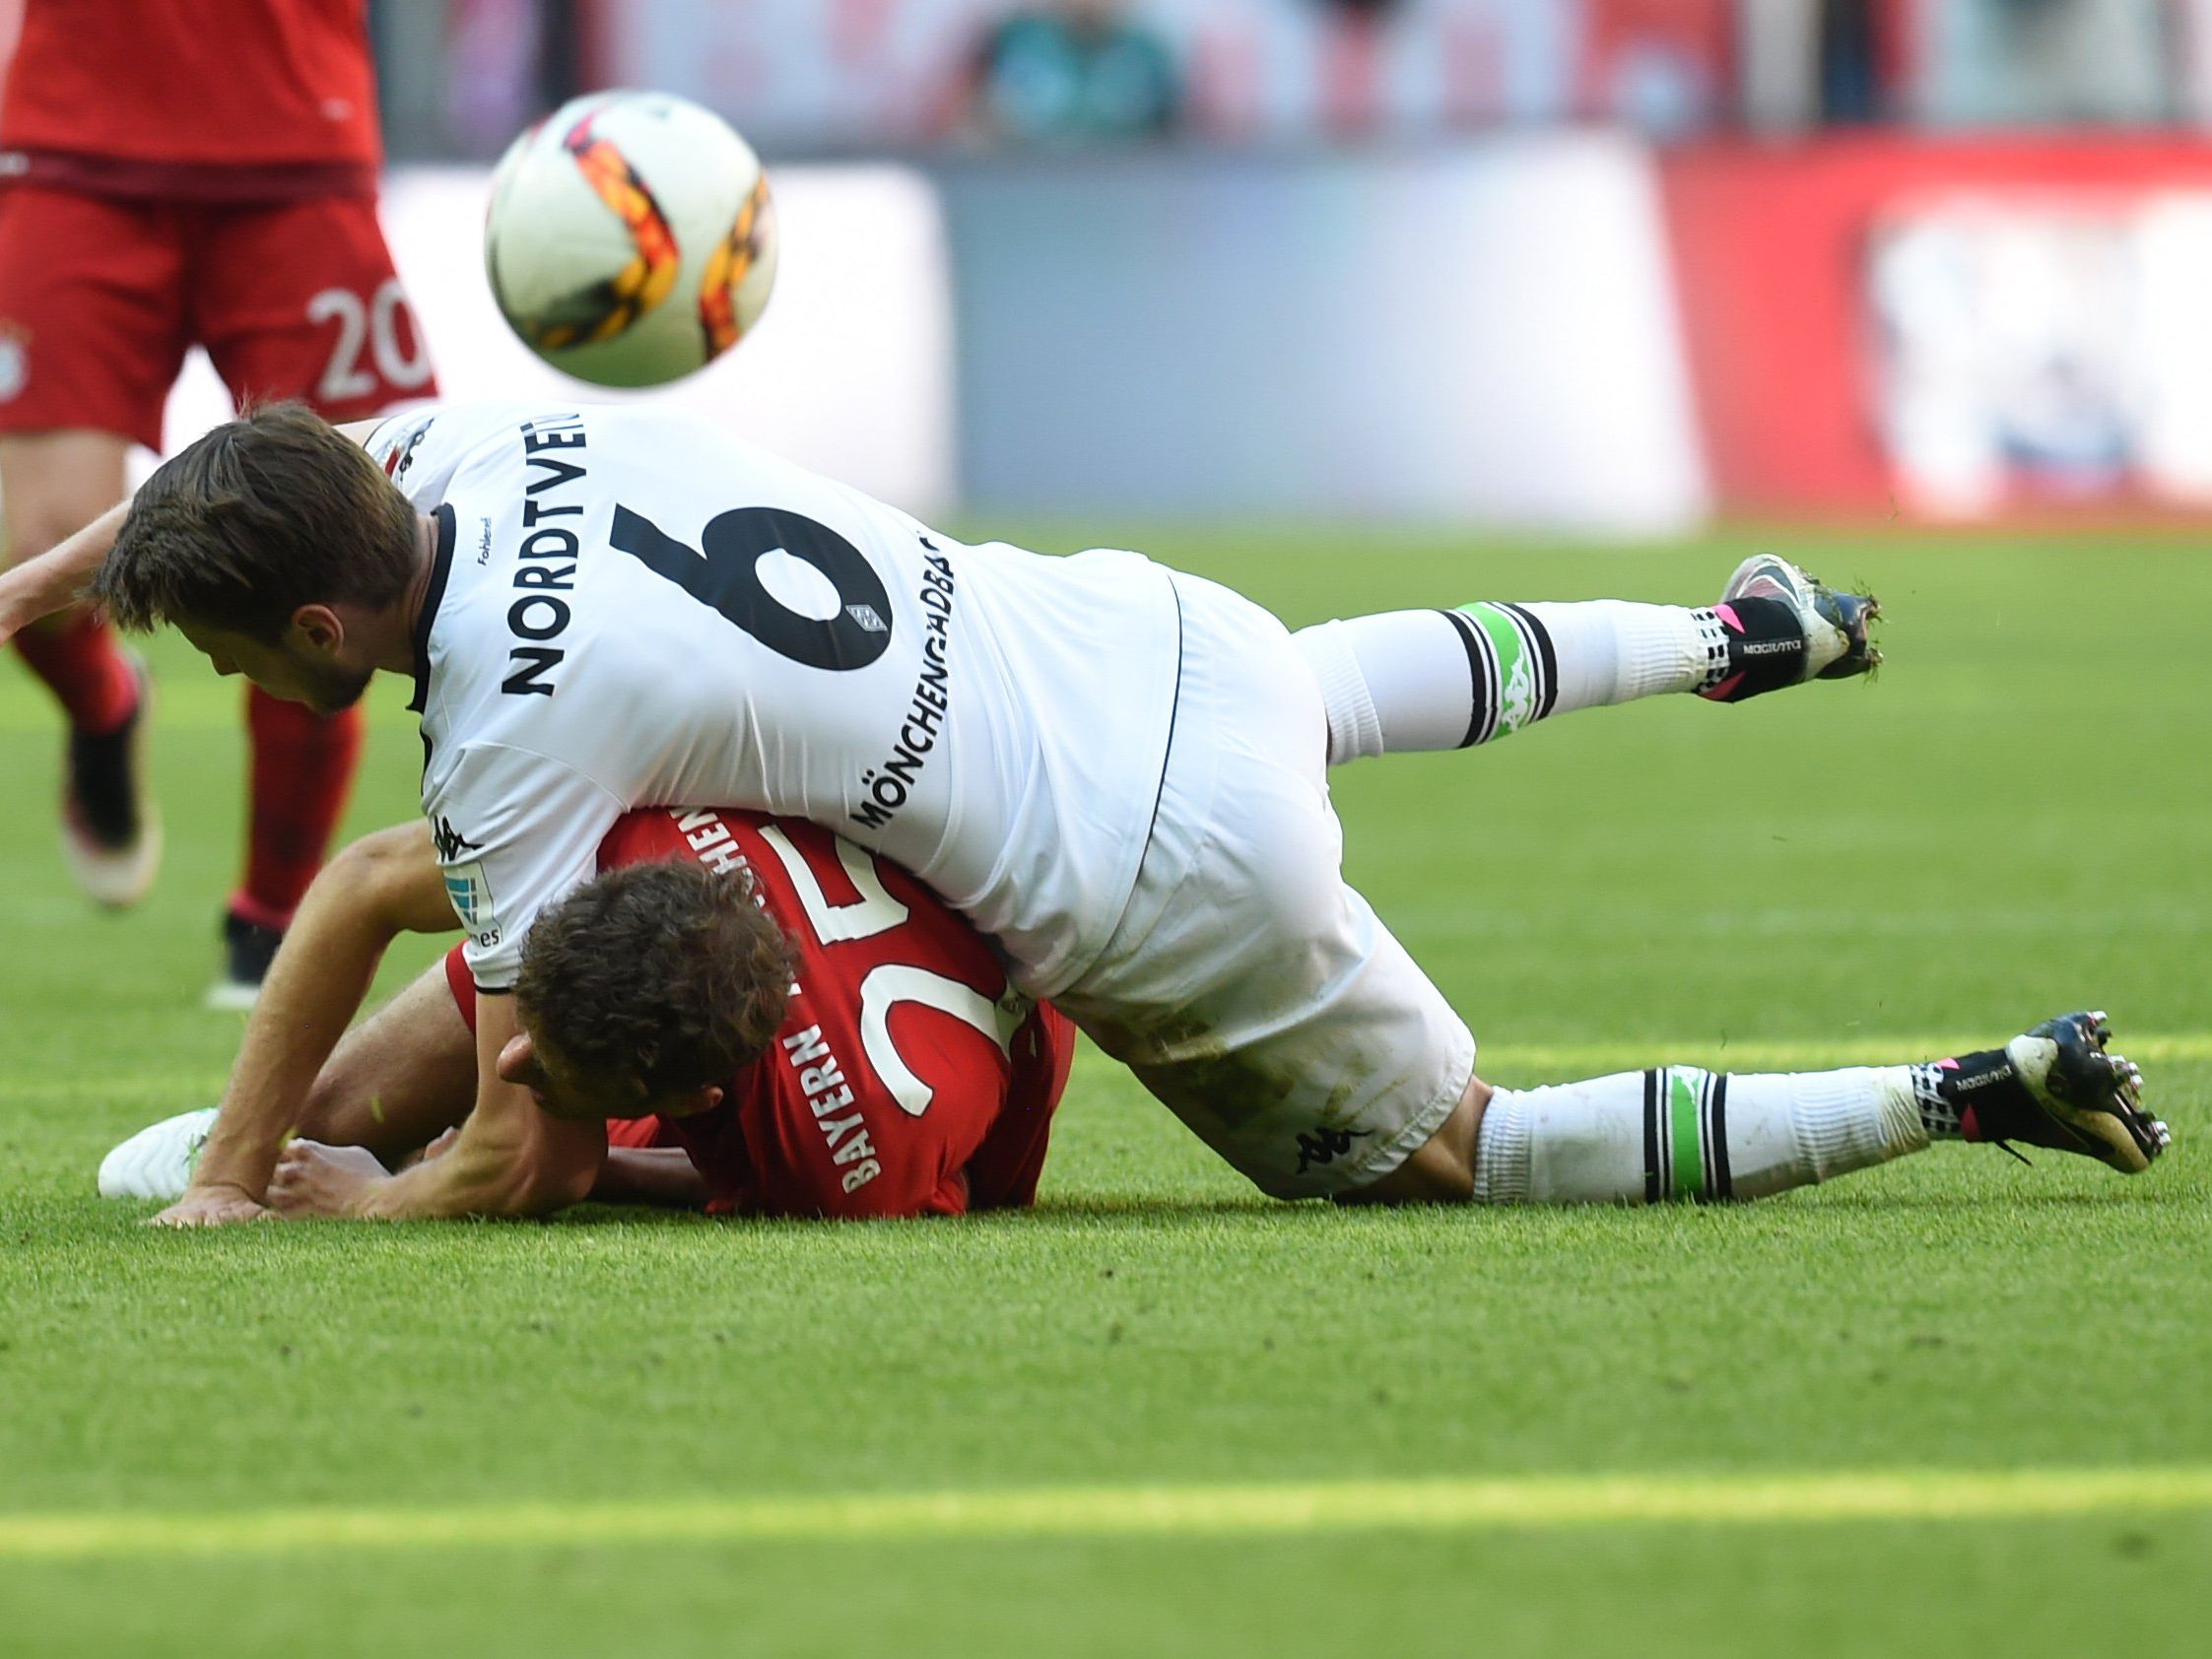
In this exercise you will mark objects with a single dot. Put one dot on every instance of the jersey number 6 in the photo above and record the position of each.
(724, 573)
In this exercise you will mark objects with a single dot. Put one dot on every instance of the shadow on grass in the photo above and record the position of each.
(1815, 1211)
(1151, 1211)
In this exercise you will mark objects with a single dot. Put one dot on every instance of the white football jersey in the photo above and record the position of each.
(633, 607)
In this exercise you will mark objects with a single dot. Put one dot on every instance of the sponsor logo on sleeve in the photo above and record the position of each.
(471, 896)
(467, 888)
(15, 359)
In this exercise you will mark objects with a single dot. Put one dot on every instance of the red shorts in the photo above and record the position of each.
(100, 299)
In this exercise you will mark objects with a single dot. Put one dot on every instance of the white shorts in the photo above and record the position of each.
(1247, 986)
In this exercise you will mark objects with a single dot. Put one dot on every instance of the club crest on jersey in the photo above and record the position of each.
(15, 359)
(402, 455)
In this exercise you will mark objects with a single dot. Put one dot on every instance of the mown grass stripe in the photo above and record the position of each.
(1321, 1508)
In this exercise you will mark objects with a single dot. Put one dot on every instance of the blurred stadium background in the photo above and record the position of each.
(1503, 284)
(1612, 266)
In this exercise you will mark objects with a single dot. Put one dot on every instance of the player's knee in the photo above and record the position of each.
(344, 1106)
(1443, 1169)
(1440, 1172)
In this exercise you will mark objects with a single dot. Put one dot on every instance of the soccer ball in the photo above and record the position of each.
(631, 238)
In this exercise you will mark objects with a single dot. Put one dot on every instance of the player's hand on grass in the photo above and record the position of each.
(212, 1205)
(312, 1180)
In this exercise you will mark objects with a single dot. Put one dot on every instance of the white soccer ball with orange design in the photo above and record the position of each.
(631, 238)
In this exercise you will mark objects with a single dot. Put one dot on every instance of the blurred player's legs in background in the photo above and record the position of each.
(100, 300)
(182, 176)
(301, 772)
(90, 337)
(1423, 680)
(49, 483)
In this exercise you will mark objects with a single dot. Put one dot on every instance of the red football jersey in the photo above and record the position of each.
(145, 96)
(907, 1078)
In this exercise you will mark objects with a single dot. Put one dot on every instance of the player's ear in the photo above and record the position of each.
(319, 629)
(694, 1102)
(519, 1061)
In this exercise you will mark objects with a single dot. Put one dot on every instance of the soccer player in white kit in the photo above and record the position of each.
(1116, 770)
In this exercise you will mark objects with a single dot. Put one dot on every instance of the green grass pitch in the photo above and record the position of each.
(625, 1433)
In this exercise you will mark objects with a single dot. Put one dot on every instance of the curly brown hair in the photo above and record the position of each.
(654, 980)
(264, 514)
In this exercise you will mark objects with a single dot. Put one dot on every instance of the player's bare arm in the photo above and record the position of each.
(315, 1180)
(511, 1159)
(383, 886)
(405, 1078)
(56, 580)
(399, 1086)
(664, 1178)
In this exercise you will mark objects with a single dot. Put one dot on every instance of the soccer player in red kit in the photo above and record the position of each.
(175, 175)
(902, 1077)
(905, 1079)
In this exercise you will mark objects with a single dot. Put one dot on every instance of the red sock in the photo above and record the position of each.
(303, 770)
(77, 656)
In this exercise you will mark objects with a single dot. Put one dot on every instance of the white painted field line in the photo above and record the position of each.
(1565, 1061)
(1208, 1511)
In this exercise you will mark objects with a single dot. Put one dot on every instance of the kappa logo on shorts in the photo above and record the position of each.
(15, 359)
(1325, 1145)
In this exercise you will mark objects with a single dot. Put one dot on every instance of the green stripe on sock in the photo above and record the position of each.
(1688, 1147)
(1516, 684)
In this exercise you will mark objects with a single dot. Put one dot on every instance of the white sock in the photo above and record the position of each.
(1677, 1132)
(1401, 680)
